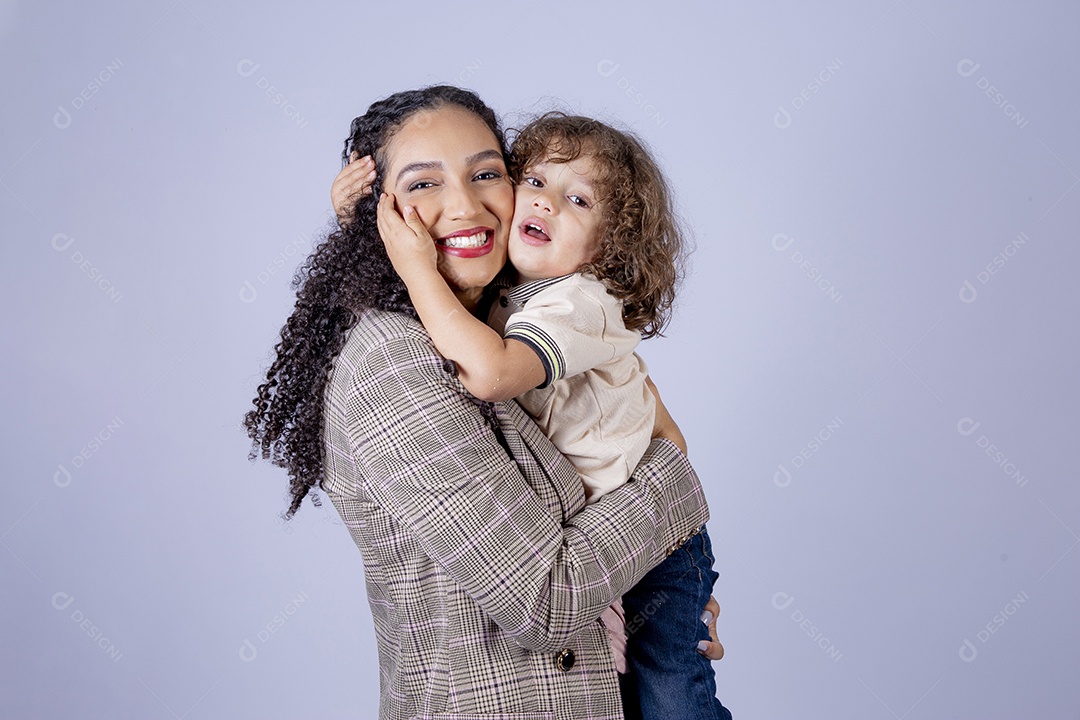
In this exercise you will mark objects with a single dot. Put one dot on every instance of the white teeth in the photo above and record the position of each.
(466, 241)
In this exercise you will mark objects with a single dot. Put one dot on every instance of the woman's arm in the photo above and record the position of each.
(490, 367)
(431, 461)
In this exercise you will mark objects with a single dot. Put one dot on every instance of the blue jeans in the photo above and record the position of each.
(667, 679)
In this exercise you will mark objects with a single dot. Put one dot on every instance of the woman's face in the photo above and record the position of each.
(448, 165)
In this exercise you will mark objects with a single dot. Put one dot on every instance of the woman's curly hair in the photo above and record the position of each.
(348, 273)
(641, 258)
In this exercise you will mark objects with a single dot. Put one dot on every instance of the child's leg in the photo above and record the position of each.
(663, 626)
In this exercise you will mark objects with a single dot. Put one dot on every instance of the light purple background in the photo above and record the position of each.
(865, 542)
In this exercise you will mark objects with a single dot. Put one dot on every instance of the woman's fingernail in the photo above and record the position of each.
(703, 647)
(706, 617)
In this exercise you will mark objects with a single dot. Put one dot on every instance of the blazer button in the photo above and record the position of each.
(565, 660)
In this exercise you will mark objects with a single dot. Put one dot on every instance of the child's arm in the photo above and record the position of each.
(664, 425)
(353, 181)
(491, 368)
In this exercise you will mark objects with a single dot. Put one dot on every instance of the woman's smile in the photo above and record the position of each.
(470, 243)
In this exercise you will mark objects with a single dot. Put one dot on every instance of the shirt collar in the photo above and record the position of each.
(521, 294)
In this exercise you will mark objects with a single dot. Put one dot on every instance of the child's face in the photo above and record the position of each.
(556, 227)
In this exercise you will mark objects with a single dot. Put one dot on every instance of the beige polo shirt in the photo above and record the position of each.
(594, 405)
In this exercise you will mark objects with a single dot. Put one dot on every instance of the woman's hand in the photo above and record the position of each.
(407, 241)
(712, 650)
(664, 425)
(354, 179)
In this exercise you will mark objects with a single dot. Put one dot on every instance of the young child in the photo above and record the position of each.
(595, 252)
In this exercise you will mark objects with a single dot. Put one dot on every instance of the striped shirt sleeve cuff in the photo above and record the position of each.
(544, 346)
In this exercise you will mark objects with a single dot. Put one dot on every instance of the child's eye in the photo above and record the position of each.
(579, 201)
(533, 181)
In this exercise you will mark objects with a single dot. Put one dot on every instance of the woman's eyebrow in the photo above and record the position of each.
(484, 155)
(425, 165)
(438, 165)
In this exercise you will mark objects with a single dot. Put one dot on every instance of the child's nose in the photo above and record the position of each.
(542, 202)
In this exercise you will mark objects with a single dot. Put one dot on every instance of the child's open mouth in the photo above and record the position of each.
(534, 232)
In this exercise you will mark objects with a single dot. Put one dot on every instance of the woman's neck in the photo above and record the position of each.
(469, 299)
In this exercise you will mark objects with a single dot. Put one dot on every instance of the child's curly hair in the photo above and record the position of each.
(642, 247)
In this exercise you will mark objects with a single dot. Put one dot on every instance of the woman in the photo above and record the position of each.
(485, 571)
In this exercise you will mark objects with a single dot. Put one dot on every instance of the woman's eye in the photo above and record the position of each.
(421, 185)
(488, 175)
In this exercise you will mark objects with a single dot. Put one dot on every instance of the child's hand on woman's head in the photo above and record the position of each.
(355, 179)
(407, 241)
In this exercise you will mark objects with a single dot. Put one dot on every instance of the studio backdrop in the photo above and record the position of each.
(873, 355)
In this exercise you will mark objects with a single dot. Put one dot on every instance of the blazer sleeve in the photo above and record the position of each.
(430, 459)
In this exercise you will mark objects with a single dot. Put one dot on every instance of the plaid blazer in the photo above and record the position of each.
(486, 573)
